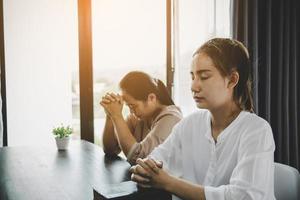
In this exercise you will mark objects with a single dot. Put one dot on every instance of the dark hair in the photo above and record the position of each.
(229, 55)
(139, 85)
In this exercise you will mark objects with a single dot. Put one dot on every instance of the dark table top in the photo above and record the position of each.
(43, 172)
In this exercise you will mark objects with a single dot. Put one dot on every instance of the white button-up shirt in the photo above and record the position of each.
(240, 165)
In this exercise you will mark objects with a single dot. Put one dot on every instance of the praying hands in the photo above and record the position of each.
(112, 104)
(149, 173)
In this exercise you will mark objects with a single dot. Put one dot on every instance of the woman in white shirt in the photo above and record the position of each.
(222, 151)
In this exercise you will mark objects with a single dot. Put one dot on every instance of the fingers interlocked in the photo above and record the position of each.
(144, 172)
(111, 97)
(139, 174)
(149, 164)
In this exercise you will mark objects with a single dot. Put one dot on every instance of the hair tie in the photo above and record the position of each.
(155, 81)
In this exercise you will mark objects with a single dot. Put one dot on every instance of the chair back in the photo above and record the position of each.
(286, 182)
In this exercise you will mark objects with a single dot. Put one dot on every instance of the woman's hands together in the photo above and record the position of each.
(112, 104)
(149, 173)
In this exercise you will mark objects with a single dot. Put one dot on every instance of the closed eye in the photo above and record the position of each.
(131, 106)
(201, 74)
(204, 77)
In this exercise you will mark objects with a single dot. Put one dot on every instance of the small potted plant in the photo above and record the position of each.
(62, 134)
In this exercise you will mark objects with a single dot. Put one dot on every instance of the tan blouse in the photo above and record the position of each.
(149, 137)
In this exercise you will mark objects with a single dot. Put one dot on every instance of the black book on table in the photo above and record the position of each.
(115, 191)
(128, 190)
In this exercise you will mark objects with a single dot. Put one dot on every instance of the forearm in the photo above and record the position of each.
(184, 189)
(110, 143)
(123, 134)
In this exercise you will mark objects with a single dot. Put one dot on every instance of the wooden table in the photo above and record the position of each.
(29, 173)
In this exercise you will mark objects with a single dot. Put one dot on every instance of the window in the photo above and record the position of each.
(127, 35)
(41, 47)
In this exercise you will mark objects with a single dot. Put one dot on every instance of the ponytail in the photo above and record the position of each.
(245, 100)
(163, 94)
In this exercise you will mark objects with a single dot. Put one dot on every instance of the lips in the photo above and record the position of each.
(198, 99)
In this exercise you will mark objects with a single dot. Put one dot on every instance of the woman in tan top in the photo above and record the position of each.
(152, 116)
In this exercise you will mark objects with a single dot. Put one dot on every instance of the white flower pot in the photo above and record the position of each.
(62, 143)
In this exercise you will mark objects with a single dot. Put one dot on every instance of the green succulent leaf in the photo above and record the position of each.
(62, 131)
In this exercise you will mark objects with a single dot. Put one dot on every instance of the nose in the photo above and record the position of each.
(196, 85)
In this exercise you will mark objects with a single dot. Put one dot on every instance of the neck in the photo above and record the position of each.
(222, 117)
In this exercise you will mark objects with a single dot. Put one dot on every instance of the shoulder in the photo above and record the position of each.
(171, 111)
(166, 120)
(253, 123)
(256, 132)
(170, 115)
(194, 120)
(190, 125)
(254, 119)
(199, 115)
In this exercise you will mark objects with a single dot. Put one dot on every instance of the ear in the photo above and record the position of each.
(151, 97)
(233, 79)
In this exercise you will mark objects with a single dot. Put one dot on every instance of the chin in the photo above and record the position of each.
(201, 106)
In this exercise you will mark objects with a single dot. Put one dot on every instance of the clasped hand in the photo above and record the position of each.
(149, 173)
(112, 104)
